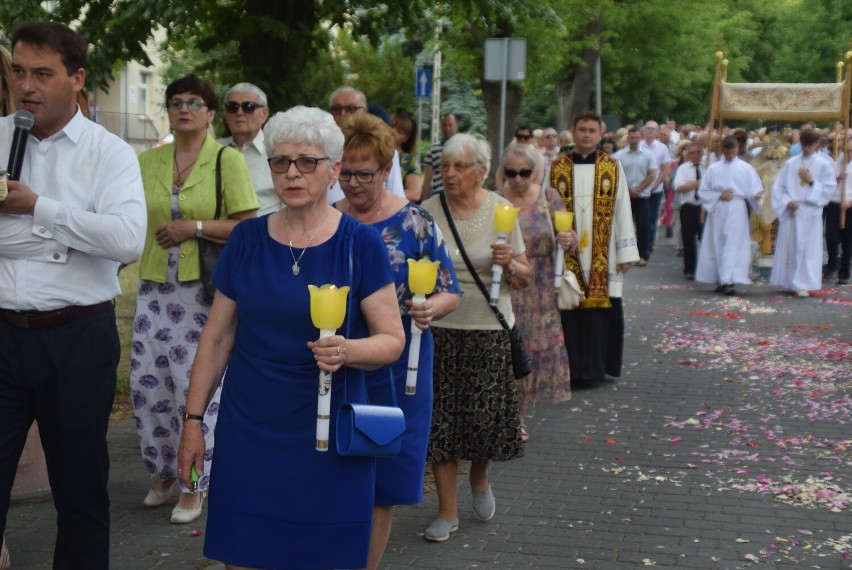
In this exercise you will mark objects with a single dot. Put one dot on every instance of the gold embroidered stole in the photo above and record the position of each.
(606, 184)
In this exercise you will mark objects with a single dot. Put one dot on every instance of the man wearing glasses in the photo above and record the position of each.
(245, 114)
(343, 102)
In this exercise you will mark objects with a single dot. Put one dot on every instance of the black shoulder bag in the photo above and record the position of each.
(521, 363)
(208, 251)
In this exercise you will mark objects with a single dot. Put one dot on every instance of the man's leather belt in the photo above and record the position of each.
(37, 320)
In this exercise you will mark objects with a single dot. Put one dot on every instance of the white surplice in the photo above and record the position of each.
(797, 264)
(622, 238)
(725, 255)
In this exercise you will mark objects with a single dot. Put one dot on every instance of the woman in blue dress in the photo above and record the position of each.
(409, 232)
(275, 501)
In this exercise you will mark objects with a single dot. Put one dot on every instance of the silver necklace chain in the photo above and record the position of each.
(295, 267)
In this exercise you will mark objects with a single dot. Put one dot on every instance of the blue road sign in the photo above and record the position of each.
(422, 83)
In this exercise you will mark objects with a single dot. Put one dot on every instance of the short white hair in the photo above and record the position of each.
(524, 151)
(304, 125)
(249, 88)
(456, 146)
(345, 89)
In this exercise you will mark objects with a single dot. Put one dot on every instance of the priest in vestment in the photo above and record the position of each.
(725, 255)
(594, 187)
(803, 188)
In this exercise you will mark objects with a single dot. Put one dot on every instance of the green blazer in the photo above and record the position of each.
(196, 201)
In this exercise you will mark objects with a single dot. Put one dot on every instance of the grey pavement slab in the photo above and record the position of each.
(725, 444)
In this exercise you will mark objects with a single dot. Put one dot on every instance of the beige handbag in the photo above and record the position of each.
(570, 294)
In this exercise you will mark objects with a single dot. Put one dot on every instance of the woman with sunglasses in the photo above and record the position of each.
(405, 138)
(409, 232)
(171, 307)
(475, 408)
(535, 306)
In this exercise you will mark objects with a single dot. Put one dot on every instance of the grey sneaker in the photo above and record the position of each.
(483, 504)
(440, 530)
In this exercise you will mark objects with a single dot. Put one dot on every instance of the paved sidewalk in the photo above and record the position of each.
(725, 444)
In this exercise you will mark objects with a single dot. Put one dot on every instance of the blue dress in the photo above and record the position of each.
(411, 233)
(276, 502)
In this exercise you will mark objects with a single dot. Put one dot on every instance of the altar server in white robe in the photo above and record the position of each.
(725, 255)
(803, 188)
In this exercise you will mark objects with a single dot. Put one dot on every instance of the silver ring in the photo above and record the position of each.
(338, 350)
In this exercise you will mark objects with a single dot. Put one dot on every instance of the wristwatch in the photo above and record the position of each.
(199, 228)
(187, 417)
(513, 268)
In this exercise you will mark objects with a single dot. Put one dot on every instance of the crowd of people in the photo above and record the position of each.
(225, 383)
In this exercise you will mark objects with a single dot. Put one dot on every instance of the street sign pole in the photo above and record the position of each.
(505, 60)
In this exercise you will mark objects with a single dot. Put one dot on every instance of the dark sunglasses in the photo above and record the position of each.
(247, 107)
(523, 137)
(511, 173)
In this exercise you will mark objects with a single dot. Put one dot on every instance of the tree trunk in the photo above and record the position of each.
(573, 96)
(491, 98)
(278, 49)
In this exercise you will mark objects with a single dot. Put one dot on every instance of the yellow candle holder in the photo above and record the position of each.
(563, 221)
(422, 275)
(504, 218)
(328, 306)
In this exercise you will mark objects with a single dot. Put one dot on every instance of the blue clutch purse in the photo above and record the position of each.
(366, 430)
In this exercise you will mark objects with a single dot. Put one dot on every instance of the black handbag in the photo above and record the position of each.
(367, 430)
(521, 363)
(208, 251)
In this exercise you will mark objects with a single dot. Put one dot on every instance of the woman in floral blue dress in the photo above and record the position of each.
(171, 308)
(409, 232)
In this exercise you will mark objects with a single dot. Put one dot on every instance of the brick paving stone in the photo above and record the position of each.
(606, 483)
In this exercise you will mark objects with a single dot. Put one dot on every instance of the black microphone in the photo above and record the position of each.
(23, 123)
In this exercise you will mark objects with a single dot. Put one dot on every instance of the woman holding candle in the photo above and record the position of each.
(275, 500)
(535, 306)
(409, 233)
(475, 412)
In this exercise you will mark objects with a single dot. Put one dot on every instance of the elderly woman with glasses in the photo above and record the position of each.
(535, 306)
(409, 232)
(275, 500)
(475, 412)
(171, 306)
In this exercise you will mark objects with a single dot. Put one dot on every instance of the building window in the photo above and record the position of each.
(143, 93)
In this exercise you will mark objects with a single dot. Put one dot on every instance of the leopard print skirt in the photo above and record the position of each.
(475, 411)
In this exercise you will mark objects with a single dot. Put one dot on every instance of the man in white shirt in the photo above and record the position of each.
(686, 183)
(804, 186)
(664, 166)
(246, 112)
(76, 215)
(725, 255)
(837, 238)
(640, 170)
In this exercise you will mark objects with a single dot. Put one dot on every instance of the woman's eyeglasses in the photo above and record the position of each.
(304, 164)
(362, 176)
(192, 104)
(511, 172)
(247, 107)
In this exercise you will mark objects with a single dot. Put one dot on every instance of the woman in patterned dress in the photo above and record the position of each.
(475, 409)
(409, 232)
(171, 308)
(535, 306)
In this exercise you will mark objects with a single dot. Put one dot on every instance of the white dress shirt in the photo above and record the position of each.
(89, 218)
(254, 152)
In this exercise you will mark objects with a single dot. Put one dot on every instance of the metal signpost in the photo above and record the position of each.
(505, 60)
